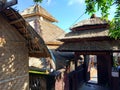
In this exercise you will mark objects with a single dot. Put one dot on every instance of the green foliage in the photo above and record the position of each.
(104, 7)
(115, 28)
(115, 63)
(115, 24)
(90, 6)
(36, 1)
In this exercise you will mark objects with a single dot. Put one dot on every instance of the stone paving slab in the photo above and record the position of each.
(87, 86)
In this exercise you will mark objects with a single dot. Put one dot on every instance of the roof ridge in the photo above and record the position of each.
(38, 9)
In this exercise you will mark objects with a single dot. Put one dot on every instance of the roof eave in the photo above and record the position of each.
(38, 14)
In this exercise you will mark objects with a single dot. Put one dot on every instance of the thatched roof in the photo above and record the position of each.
(90, 28)
(50, 32)
(34, 42)
(91, 46)
(37, 10)
(44, 26)
(82, 34)
(89, 35)
(88, 22)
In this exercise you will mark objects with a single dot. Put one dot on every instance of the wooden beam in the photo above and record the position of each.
(16, 21)
(9, 14)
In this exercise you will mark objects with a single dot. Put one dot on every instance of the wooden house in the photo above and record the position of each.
(91, 37)
(18, 42)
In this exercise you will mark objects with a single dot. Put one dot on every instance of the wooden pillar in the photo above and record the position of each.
(86, 72)
(110, 64)
(76, 60)
(76, 79)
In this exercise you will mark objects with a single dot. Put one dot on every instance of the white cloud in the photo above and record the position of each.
(71, 2)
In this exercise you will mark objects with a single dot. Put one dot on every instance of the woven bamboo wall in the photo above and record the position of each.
(13, 59)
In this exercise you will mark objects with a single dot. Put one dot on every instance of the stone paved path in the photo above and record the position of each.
(87, 86)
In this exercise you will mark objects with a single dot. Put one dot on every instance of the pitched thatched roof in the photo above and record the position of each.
(82, 34)
(37, 10)
(89, 35)
(44, 26)
(35, 43)
(91, 46)
(90, 21)
(90, 28)
(50, 32)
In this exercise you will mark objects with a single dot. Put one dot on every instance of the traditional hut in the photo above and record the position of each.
(18, 42)
(42, 22)
(90, 37)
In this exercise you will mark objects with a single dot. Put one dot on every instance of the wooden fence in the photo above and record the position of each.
(57, 80)
(44, 81)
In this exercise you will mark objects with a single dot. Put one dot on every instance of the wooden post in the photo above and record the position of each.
(76, 80)
(76, 60)
(110, 60)
(86, 63)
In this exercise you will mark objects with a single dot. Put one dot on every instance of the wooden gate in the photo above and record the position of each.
(104, 65)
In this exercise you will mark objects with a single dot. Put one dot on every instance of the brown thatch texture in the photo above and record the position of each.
(90, 21)
(43, 25)
(86, 34)
(13, 58)
(37, 10)
(50, 32)
(113, 45)
(34, 42)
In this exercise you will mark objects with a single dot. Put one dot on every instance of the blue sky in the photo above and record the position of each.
(67, 12)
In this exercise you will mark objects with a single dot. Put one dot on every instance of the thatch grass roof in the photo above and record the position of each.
(82, 34)
(86, 46)
(90, 21)
(34, 42)
(89, 28)
(37, 10)
(91, 35)
(50, 32)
